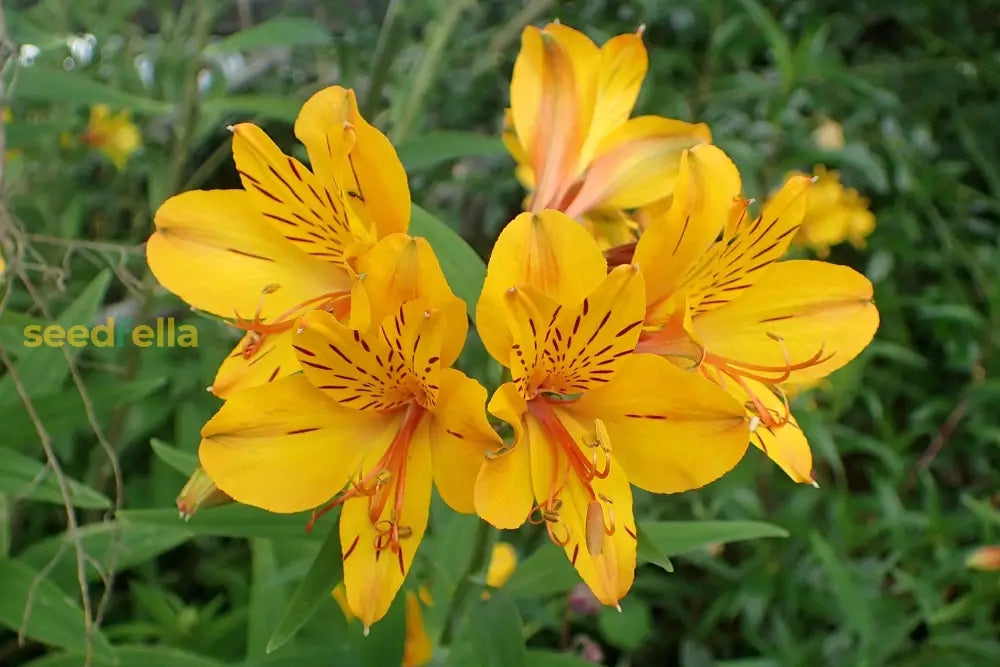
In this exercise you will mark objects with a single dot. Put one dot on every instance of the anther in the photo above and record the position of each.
(595, 528)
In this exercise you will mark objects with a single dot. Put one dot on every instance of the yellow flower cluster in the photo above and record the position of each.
(647, 360)
(834, 214)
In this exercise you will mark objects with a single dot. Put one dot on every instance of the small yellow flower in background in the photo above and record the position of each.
(834, 214)
(377, 416)
(293, 240)
(503, 562)
(569, 130)
(589, 416)
(829, 135)
(417, 648)
(115, 135)
(727, 309)
(986, 558)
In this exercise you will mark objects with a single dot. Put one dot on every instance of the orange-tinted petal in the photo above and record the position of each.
(552, 99)
(503, 493)
(285, 447)
(213, 249)
(671, 430)
(636, 164)
(796, 311)
(459, 436)
(344, 148)
(548, 251)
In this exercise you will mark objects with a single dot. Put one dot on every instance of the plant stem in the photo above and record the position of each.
(390, 38)
(477, 563)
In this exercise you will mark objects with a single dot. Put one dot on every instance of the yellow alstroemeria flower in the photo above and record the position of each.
(290, 241)
(569, 129)
(726, 307)
(503, 562)
(589, 416)
(834, 214)
(114, 135)
(380, 412)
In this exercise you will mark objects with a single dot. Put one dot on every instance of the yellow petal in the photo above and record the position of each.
(608, 569)
(459, 436)
(620, 72)
(213, 249)
(503, 562)
(503, 494)
(310, 213)
(736, 263)
(611, 228)
(400, 268)
(795, 311)
(636, 164)
(369, 371)
(707, 184)
(671, 430)
(373, 575)
(548, 251)
(786, 444)
(285, 447)
(274, 359)
(417, 650)
(371, 173)
(582, 345)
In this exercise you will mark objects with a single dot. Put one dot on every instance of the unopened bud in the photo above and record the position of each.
(984, 558)
(199, 492)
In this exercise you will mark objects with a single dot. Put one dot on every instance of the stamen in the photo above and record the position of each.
(331, 302)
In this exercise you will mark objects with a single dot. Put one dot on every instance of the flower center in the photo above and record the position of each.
(338, 303)
(384, 482)
(567, 456)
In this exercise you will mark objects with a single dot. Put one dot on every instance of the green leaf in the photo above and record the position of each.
(129, 544)
(265, 106)
(648, 551)
(227, 521)
(538, 658)
(629, 628)
(673, 538)
(496, 632)
(777, 40)
(281, 31)
(43, 369)
(42, 84)
(129, 655)
(29, 479)
(181, 461)
(324, 574)
(56, 619)
(463, 268)
(545, 572)
(384, 644)
(433, 148)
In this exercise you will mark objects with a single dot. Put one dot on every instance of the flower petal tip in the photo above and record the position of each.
(618, 607)
(366, 630)
(641, 30)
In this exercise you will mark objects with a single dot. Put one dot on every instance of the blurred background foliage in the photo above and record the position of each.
(873, 570)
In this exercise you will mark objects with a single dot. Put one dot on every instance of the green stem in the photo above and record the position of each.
(390, 38)
(478, 562)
